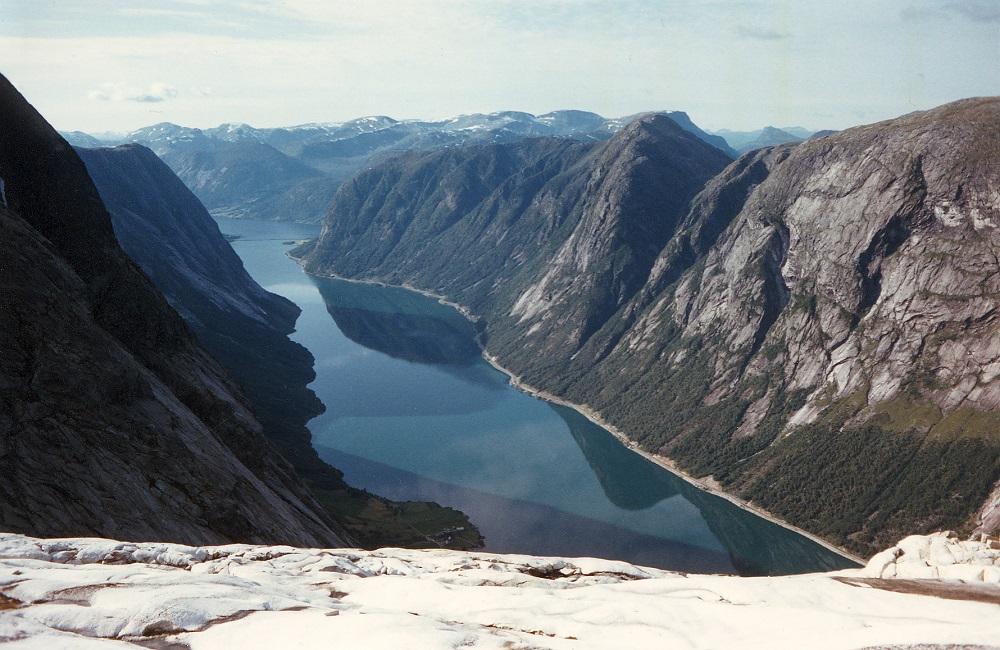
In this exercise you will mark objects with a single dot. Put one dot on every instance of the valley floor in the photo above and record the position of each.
(91, 593)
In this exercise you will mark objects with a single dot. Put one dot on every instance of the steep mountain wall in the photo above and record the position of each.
(114, 421)
(817, 329)
(550, 235)
(830, 356)
(169, 233)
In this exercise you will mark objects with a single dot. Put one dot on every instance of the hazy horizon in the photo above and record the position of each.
(110, 66)
(112, 134)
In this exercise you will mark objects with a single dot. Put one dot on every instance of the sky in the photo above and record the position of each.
(105, 65)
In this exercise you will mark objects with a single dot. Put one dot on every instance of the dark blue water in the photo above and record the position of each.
(415, 413)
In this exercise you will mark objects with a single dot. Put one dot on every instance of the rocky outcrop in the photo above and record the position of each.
(941, 555)
(114, 421)
(102, 593)
(817, 330)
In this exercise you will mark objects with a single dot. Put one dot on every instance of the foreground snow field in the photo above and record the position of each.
(93, 593)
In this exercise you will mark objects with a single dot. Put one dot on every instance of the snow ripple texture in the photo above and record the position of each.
(102, 594)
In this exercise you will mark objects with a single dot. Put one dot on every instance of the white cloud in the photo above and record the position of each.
(116, 92)
(761, 33)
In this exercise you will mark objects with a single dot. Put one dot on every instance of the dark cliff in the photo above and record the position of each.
(169, 233)
(114, 421)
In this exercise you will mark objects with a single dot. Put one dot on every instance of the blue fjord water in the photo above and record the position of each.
(415, 413)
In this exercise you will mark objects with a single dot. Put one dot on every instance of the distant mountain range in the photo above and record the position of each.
(292, 173)
(744, 141)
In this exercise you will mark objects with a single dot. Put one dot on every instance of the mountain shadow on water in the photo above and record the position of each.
(400, 323)
(755, 546)
(629, 480)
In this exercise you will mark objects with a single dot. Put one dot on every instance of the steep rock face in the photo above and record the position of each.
(231, 178)
(163, 227)
(638, 188)
(550, 236)
(114, 421)
(818, 331)
(850, 304)
(485, 210)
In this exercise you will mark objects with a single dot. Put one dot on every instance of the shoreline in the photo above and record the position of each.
(595, 417)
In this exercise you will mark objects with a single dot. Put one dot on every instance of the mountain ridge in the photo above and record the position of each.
(744, 141)
(711, 359)
(291, 173)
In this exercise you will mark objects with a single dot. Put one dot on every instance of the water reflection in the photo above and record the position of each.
(755, 546)
(514, 526)
(413, 412)
(404, 356)
(403, 324)
(527, 503)
(629, 480)
(408, 326)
